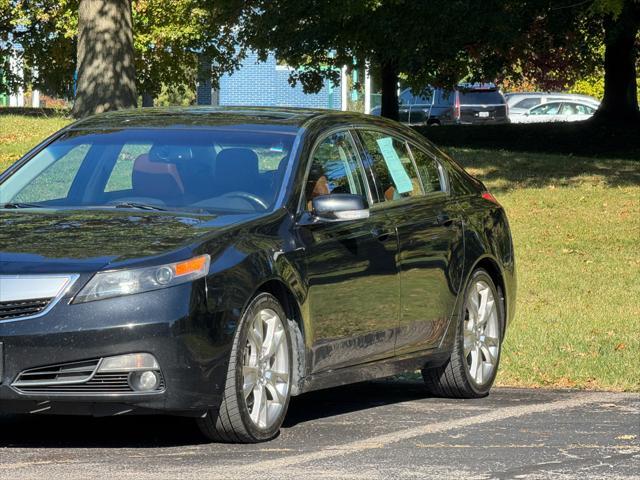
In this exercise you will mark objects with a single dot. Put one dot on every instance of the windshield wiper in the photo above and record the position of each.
(140, 206)
(21, 205)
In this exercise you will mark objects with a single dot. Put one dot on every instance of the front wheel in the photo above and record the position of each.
(258, 385)
(475, 356)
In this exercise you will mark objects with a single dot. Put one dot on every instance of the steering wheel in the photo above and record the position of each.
(256, 200)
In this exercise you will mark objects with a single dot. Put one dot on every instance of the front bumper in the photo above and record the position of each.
(190, 338)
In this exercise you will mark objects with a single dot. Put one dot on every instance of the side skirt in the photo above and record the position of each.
(370, 371)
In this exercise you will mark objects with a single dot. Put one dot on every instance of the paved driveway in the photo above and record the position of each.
(377, 430)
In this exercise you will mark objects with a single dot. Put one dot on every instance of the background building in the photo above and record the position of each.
(267, 84)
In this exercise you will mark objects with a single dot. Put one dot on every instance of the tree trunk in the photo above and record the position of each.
(106, 72)
(620, 102)
(389, 80)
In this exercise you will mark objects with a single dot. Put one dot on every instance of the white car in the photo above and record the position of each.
(565, 111)
(521, 102)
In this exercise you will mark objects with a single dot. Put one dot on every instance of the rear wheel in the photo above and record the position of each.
(258, 385)
(473, 365)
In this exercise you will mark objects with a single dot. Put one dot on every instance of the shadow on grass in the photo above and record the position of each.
(586, 139)
(505, 170)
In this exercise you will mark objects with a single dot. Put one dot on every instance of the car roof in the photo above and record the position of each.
(547, 94)
(204, 116)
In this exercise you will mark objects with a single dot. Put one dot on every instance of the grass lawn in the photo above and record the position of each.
(576, 227)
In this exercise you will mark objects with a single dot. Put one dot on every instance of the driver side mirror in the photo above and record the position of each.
(339, 207)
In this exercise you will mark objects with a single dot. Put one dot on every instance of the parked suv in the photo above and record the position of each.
(520, 103)
(468, 104)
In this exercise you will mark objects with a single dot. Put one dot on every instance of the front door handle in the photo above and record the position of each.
(382, 236)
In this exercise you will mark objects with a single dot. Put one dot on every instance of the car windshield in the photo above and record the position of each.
(209, 170)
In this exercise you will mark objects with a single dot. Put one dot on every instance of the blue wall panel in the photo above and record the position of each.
(266, 84)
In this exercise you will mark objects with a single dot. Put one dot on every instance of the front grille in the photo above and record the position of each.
(23, 308)
(75, 378)
(57, 374)
(104, 383)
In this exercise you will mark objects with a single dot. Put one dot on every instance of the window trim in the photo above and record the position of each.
(307, 169)
(371, 173)
(444, 179)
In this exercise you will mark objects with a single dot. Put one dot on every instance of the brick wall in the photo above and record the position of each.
(266, 84)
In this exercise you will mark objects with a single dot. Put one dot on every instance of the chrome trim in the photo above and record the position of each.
(19, 288)
(41, 383)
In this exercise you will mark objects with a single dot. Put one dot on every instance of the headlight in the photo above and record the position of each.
(126, 282)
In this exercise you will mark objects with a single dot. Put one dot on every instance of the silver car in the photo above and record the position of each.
(566, 111)
(521, 103)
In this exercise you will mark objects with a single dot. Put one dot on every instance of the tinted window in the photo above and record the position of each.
(334, 169)
(528, 103)
(206, 169)
(481, 98)
(444, 97)
(389, 160)
(428, 169)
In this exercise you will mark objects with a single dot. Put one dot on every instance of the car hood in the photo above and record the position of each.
(34, 241)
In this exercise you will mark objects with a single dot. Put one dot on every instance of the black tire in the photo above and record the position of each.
(232, 422)
(453, 379)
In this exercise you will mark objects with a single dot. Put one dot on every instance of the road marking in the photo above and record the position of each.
(383, 440)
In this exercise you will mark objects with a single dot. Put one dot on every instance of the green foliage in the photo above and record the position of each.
(168, 36)
(176, 95)
(437, 42)
(592, 85)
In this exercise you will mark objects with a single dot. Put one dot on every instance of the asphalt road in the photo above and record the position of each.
(377, 430)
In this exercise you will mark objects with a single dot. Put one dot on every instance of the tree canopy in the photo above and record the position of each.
(168, 36)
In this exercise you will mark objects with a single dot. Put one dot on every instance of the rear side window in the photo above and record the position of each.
(481, 98)
(429, 170)
(388, 158)
(443, 97)
(528, 103)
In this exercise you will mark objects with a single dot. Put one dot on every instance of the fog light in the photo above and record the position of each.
(128, 363)
(144, 381)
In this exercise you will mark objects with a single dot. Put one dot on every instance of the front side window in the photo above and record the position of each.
(210, 170)
(428, 169)
(546, 109)
(528, 103)
(388, 158)
(334, 169)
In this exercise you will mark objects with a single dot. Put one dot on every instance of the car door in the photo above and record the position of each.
(405, 105)
(429, 234)
(353, 285)
(421, 109)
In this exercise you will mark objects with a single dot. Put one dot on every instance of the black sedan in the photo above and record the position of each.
(215, 262)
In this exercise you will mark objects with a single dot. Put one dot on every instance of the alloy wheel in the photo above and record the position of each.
(265, 369)
(481, 333)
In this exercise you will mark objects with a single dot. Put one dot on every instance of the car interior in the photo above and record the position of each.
(238, 174)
